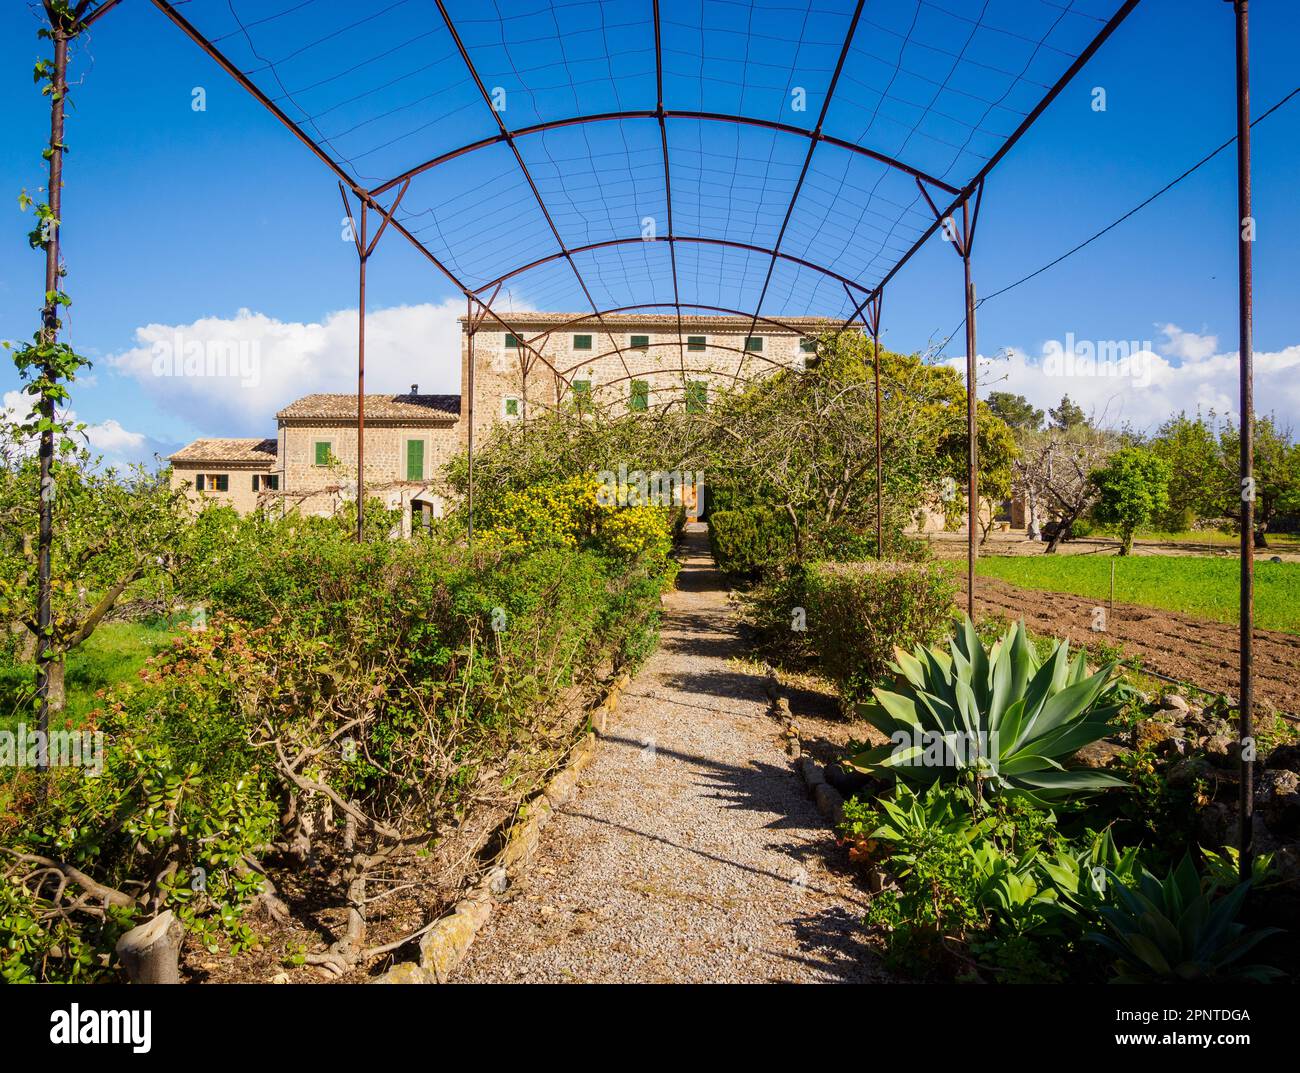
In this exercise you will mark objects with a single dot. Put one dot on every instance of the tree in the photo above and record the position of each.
(1277, 475)
(1053, 473)
(116, 530)
(1067, 415)
(1016, 410)
(1133, 488)
(1190, 447)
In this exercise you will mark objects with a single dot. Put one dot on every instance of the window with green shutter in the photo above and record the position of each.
(415, 460)
(808, 346)
(640, 342)
(697, 396)
(512, 407)
(640, 401)
(696, 342)
(322, 452)
(582, 342)
(512, 341)
(754, 342)
(582, 393)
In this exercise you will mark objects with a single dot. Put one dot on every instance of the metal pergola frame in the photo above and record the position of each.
(867, 298)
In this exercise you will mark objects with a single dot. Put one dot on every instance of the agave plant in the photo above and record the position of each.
(1004, 715)
(1179, 930)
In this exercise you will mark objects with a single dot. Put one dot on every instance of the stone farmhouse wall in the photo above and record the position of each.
(612, 361)
(239, 493)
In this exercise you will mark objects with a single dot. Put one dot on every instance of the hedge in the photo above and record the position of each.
(858, 612)
(751, 541)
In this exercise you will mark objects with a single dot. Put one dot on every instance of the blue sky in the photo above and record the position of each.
(181, 218)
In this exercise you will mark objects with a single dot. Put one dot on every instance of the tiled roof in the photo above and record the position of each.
(668, 320)
(414, 408)
(255, 451)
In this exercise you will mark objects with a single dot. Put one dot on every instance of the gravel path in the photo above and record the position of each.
(692, 852)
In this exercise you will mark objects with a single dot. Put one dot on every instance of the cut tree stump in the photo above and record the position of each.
(151, 951)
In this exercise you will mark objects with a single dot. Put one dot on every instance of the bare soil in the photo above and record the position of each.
(1195, 650)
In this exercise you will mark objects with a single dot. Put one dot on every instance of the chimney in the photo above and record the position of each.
(415, 389)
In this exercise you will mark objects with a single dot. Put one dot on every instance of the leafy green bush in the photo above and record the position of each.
(750, 542)
(857, 613)
(1180, 929)
(1003, 716)
(380, 677)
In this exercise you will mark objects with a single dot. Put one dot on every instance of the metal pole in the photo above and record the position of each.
(49, 334)
(972, 444)
(1245, 236)
(471, 326)
(880, 472)
(361, 376)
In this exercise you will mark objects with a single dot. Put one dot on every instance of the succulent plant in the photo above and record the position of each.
(1002, 715)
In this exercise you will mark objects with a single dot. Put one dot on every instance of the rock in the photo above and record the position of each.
(406, 973)
(811, 772)
(561, 788)
(1100, 754)
(1278, 797)
(498, 881)
(1174, 747)
(1284, 758)
(1186, 771)
(446, 943)
(1151, 732)
(1221, 750)
(846, 780)
(1216, 826)
(1175, 701)
(830, 803)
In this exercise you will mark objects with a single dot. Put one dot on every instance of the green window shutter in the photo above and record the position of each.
(808, 346)
(640, 342)
(322, 452)
(512, 407)
(582, 342)
(640, 401)
(255, 476)
(696, 342)
(415, 460)
(697, 396)
(223, 482)
(198, 482)
(274, 480)
(754, 342)
(582, 393)
(512, 341)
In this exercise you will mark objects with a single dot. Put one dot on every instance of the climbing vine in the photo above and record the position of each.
(48, 364)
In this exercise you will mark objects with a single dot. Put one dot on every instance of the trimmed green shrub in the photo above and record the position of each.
(750, 542)
(857, 613)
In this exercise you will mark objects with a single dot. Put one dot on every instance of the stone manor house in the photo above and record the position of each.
(619, 363)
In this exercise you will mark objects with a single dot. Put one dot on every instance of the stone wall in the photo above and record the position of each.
(612, 363)
(239, 495)
(385, 452)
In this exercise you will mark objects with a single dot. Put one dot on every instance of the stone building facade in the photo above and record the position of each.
(621, 362)
(616, 363)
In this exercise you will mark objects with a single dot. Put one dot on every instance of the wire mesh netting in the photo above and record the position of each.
(766, 157)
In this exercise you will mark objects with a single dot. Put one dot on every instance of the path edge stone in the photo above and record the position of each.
(445, 945)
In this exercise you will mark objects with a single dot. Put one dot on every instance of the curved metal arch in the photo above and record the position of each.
(724, 310)
(664, 113)
(698, 239)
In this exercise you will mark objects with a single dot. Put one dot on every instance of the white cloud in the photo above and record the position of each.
(119, 446)
(236, 372)
(1184, 371)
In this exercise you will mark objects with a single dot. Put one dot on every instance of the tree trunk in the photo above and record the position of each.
(1261, 541)
(150, 952)
(58, 693)
(1126, 545)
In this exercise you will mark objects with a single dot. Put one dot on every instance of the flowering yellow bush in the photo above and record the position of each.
(570, 513)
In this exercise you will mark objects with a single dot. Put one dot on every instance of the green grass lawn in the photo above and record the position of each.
(1280, 541)
(1194, 585)
(114, 653)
